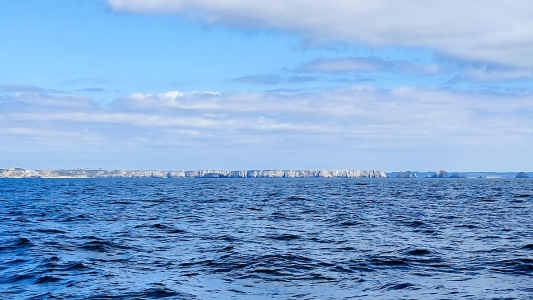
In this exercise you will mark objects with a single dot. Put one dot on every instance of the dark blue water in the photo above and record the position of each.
(266, 239)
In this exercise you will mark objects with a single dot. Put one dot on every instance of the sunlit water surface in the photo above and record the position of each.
(266, 238)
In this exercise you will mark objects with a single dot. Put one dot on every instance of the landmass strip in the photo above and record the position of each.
(80, 173)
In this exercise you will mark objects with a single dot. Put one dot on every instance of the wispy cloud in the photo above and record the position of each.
(92, 90)
(47, 101)
(20, 88)
(345, 65)
(357, 80)
(365, 65)
(459, 71)
(87, 81)
(266, 79)
(485, 72)
(283, 90)
(297, 79)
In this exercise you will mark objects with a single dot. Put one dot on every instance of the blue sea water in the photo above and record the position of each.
(266, 238)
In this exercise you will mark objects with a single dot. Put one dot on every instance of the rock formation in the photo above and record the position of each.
(21, 173)
(406, 174)
(440, 174)
(457, 175)
(521, 175)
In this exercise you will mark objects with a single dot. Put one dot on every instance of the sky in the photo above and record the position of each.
(282, 84)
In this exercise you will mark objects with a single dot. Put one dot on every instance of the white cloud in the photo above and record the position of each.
(483, 30)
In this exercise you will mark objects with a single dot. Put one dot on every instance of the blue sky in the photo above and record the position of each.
(177, 84)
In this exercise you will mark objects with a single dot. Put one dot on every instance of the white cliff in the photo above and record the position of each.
(440, 174)
(79, 173)
(406, 174)
(18, 173)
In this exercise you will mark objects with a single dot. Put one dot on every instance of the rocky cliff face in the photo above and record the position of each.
(440, 174)
(18, 173)
(21, 173)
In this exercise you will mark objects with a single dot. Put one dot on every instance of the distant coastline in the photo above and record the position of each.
(80, 173)
(90, 173)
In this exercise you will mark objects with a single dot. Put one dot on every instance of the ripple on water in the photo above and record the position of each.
(265, 239)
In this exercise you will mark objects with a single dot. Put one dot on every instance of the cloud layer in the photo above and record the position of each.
(356, 127)
(479, 30)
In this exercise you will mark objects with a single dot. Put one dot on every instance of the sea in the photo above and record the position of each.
(280, 238)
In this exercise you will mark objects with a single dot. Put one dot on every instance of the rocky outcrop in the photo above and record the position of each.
(406, 174)
(457, 175)
(521, 175)
(79, 173)
(440, 174)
